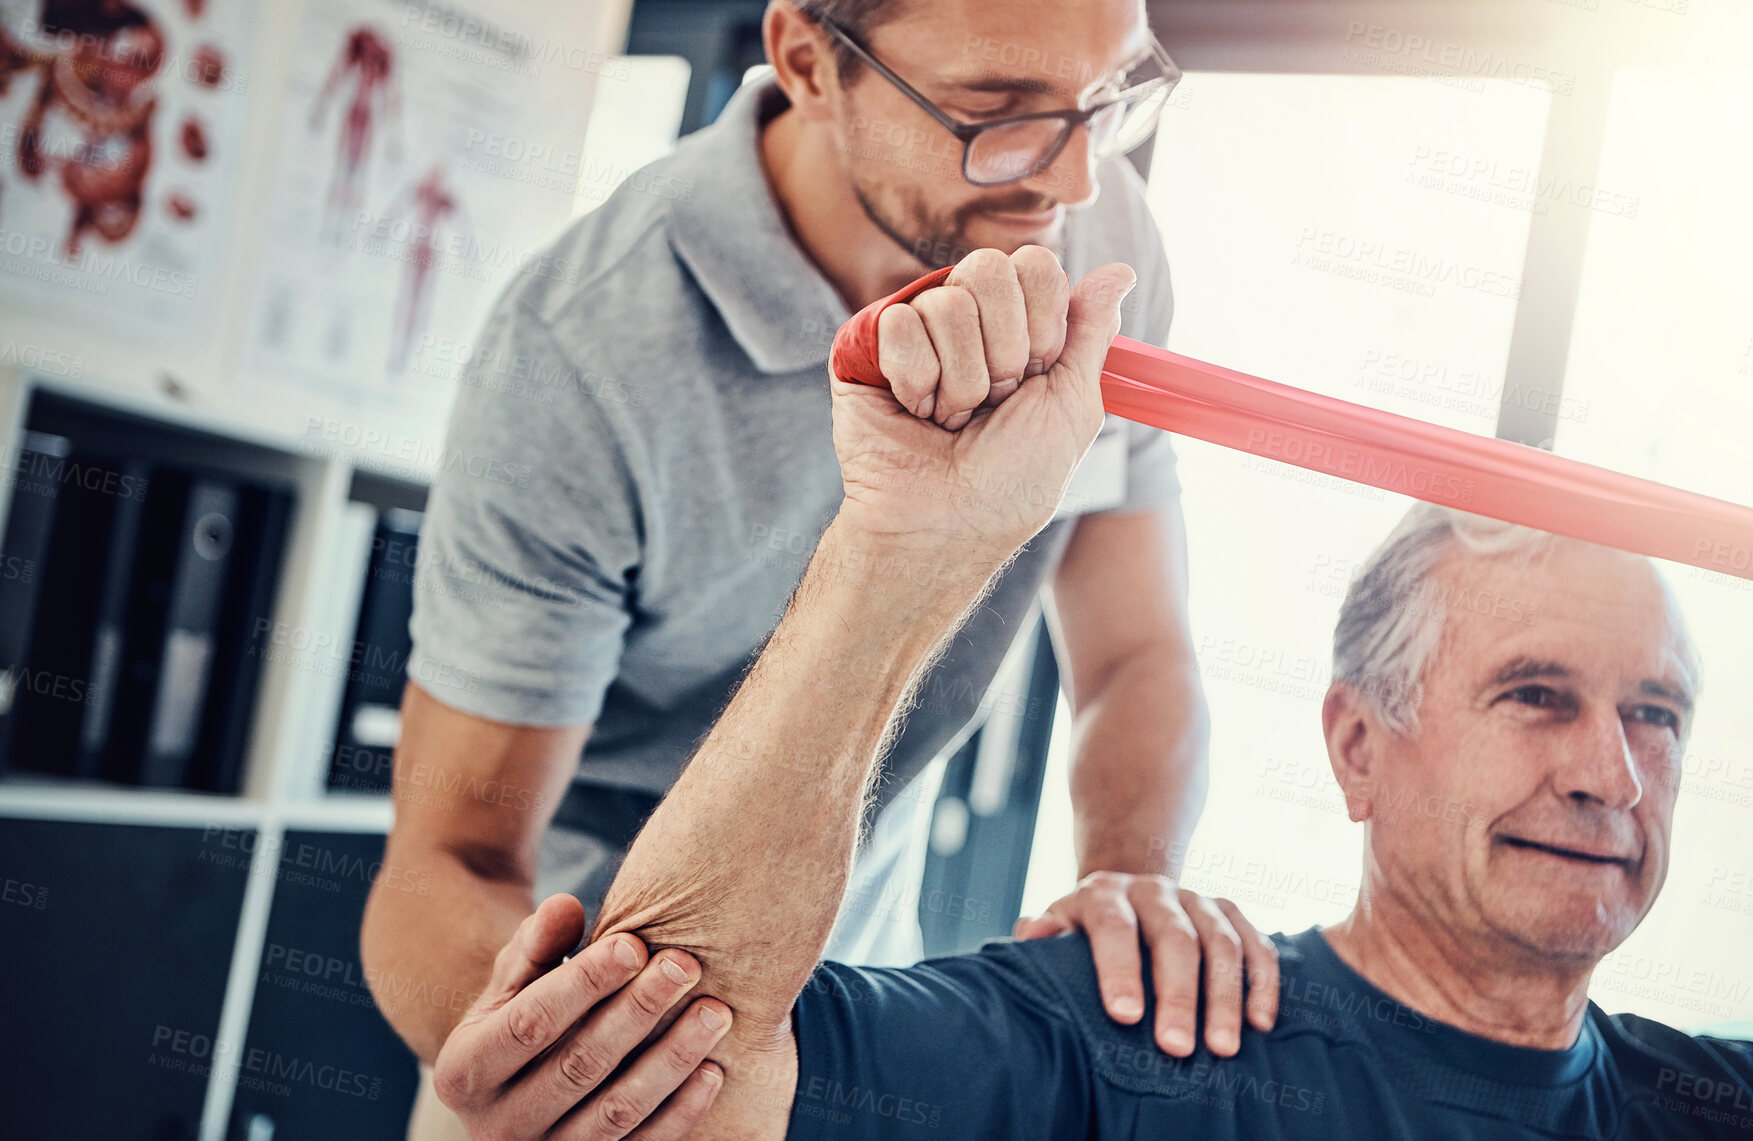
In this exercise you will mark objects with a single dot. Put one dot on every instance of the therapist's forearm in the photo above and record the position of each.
(1138, 770)
(745, 862)
(427, 954)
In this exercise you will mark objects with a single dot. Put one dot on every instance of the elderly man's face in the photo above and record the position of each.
(980, 60)
(1557, 743)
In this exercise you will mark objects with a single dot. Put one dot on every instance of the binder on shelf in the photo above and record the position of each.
(111, 617)
(24, 562)
(264, 522)
(56, 689)
(144, 628)
(370, 721)
(170, 651)
(137, 580)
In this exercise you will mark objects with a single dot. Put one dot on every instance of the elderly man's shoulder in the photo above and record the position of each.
(1683, 1064)
(1050, 982)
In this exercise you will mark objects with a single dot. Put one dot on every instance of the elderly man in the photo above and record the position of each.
(1451, 1002)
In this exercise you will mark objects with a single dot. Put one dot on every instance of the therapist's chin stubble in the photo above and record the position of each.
(939, 241)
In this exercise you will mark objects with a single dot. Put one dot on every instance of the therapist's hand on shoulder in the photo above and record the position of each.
(543, 1051)
(994, 398)
(1193, 941)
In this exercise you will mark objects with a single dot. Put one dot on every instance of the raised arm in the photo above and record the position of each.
(744, 863)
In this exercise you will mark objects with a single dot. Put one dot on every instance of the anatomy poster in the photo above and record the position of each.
(120, 123)
(421, 165)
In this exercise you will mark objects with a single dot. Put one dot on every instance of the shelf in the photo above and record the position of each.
(114, 804)
(345, 812)
(49, 799)
(285, 763)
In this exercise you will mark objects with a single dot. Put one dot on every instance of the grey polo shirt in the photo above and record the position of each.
(653, 397)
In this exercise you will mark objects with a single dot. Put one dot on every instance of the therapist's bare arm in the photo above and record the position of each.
(745, 862)
(473, 798)
(460, 966)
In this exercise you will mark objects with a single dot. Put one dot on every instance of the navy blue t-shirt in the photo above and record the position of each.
(1012, 1042)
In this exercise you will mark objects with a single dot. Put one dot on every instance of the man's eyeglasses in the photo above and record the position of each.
(1020, 146)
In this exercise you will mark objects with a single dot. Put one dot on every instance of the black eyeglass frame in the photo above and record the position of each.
(966, 133)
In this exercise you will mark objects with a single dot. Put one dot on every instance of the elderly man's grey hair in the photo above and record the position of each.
(1391, 622)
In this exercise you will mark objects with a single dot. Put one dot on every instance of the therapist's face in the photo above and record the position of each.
(978, 60)
(1550, 735)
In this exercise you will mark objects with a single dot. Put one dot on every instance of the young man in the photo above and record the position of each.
(665, 392)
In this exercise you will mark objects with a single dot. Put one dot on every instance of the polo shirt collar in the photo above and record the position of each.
(733, 238)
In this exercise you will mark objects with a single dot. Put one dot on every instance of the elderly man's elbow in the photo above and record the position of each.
(757, 974)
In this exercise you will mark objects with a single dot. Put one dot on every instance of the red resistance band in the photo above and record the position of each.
(1486, 476)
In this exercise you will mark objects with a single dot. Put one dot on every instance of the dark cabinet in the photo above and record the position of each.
(319, 1061)
(115, 942)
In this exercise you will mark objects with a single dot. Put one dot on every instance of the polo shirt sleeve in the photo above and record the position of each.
(531, 538)
(1151, 478)
(968, 1046)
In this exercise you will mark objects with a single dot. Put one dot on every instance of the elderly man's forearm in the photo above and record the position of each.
(745, 862)
(1138, 773)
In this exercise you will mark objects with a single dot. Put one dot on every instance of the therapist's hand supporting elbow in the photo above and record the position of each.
(541, 1052)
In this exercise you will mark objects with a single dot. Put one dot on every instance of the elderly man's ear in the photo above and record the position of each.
(1355, 739)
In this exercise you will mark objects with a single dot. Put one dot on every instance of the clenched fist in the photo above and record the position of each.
(972, 341)
(995, 397)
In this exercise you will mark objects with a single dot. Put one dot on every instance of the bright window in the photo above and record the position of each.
(1363, 237)
(1662, 362)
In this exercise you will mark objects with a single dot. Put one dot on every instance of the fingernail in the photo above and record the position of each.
(1035, 367)
(674, 970)
(710, 1018)
(1128, 1007)
(624, 954)
(1225, 1043)
(711, 1077)
(926, 405)
(1178, 1042)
